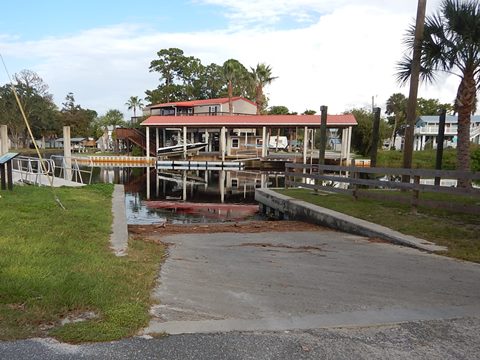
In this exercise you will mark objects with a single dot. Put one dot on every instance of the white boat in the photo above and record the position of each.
(179, 149)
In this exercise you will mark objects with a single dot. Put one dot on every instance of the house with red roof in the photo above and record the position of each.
(219, 106)
(241, 134)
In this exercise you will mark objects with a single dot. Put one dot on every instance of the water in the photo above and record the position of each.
(188, 196)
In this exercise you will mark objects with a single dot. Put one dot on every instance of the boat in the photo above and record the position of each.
(179, 149)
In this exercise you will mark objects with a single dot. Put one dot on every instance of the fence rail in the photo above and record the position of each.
(359, 182)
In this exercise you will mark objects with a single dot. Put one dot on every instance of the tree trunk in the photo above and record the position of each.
(259, 99)
(465, 102)
(392, 140)
(413, 93)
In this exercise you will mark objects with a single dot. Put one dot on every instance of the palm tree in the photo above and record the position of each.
(261, 77)
(396, 106)
(451, 44)
(134, 103)
(232, 72)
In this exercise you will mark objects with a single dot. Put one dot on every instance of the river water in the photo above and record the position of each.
(187, 196)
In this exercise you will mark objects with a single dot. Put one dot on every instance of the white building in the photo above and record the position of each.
(426, 131)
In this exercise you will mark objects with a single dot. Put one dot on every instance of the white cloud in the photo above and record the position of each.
(342, 57)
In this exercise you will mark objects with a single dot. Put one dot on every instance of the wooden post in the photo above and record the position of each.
(415, 193)
(157, 140)
(67, 153)
(440, 140)
(3, 180)
(323, 135)
(375, 137)
(3, 139)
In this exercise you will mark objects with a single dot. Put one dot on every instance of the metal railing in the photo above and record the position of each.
(33, 170)
(74, 168)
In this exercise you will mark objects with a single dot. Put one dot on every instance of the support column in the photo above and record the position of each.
(67, 153)
(349, 144)
(148, 182)
(222, 143)
(305, 145)
(264, 142)
(3, 139)
(342, 148)
(207, 140)
(164, 137)
(157, 140)
(222, 186)
(184, 142)
(424, 140)
(147, 143)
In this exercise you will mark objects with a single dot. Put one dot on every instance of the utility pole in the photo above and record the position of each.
(413, 95)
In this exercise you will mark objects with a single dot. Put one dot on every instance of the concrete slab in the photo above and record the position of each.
(305, 280)
(119, 236)
(301, 210)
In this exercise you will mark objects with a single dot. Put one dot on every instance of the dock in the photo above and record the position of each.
(42, 180)
(199, 165)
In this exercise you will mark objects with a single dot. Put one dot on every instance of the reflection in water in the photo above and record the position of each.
(187, 196)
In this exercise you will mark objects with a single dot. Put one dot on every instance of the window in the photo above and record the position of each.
(234, 183)
(235, 143)
(212, 110)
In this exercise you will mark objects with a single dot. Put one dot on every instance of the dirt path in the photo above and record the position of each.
(241, 227)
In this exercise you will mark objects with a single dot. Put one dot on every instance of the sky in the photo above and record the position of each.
(339, 53)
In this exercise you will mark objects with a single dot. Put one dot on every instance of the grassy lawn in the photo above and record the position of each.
(56, 263)
(460, 232)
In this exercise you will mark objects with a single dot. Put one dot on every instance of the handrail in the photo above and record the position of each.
(30, 166)
(74, 168)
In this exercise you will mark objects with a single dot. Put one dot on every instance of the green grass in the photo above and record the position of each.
(56, 263)
(459, 232)
(421, 159)
(426, 159)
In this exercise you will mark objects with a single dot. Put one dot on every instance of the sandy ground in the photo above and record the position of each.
(240, 227)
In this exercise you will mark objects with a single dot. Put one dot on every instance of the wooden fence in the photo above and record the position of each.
(360, 183)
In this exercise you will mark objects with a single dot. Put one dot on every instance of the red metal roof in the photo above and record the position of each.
(250, 120)
(199, 102)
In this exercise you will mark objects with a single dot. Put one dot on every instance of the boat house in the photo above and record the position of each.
(242, 134)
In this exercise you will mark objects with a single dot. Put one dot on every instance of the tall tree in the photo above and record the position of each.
(112, 117)
(234, 74)
(278, 110)
(134, 103)
(261, 77)
(397, 107)
(432, 107)
(362, 133)
(178, 76)
(36, 102)
(80, 120)
(451, 44)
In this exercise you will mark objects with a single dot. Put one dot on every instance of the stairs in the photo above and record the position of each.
(137, 137)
